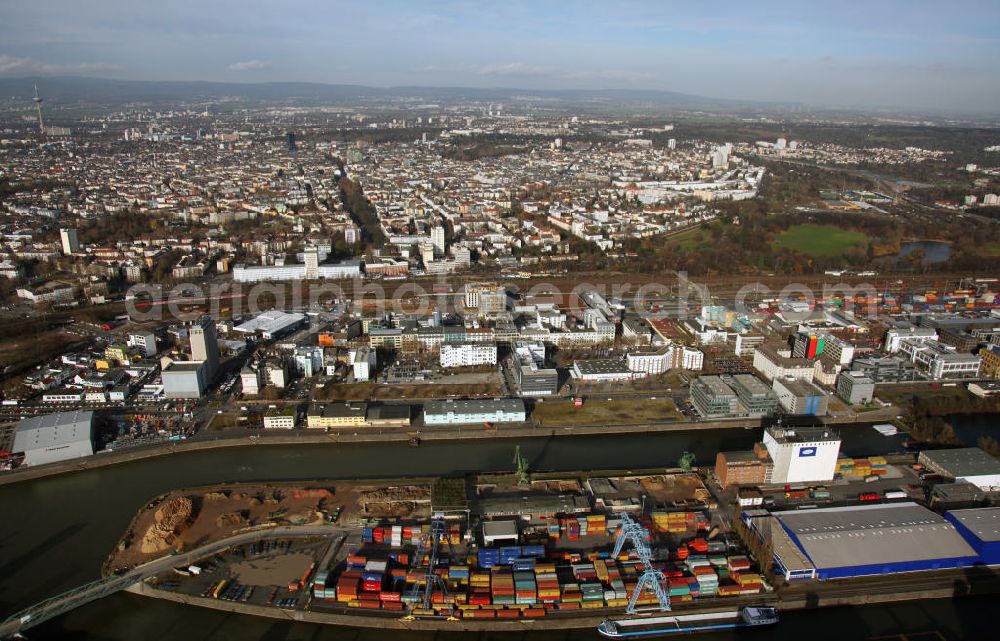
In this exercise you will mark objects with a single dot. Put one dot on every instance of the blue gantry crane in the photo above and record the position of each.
(429, 548)
(653, 580)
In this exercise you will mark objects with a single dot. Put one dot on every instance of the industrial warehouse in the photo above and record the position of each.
(866, 540)
(51, 438)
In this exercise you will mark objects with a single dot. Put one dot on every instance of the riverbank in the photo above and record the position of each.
(946, 584)
(456, 434)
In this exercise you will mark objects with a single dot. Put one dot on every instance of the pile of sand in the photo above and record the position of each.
(231, 520)
(169, 520)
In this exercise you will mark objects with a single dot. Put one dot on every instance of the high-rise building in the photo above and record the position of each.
(291, 140)
(437, 239)
(70, 241)
(311, 260)
(205, 346)
(672, 143)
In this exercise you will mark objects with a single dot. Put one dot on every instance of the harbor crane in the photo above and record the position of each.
(521, 468)
(429, 548)
(653, 580)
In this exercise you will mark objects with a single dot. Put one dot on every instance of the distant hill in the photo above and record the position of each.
(75, 90)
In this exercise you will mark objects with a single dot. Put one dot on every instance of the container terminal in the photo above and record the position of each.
(557, 546)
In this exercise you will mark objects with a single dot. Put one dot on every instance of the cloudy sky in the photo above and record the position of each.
(906, 53)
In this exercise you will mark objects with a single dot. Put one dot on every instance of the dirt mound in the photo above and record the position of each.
(231, 520)
(169, 520)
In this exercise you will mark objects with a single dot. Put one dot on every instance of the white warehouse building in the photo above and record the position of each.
(802, 454)
(51, 438)
(451, 412)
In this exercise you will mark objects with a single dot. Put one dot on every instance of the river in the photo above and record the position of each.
(58, 530)
(127, 617)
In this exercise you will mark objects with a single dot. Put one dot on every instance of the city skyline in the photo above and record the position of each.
(888, 54)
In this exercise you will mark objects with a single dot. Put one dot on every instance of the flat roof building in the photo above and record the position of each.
(801, 397)
(184, 379)
(865, 540)
(713, 398)
(452, 412)
(51, 438)
(980, 527)
(802, 454)
(969, 464)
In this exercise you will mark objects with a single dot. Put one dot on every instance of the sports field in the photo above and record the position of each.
(818, 240)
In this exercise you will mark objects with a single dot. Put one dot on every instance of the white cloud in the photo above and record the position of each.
(250, 65)
(14, 65)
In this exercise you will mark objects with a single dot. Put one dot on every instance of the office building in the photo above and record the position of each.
(801, 398)
(855, 388)
(939, 361)
(895, 336)
(713, 398)
(755, 398)
(527, 366)
(437, 240)
(885, 369)
(808, 345)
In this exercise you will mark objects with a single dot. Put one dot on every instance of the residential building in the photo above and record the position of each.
(772, 364)
(363, 362)
(69, 241)
(468, 354)
(144, 341)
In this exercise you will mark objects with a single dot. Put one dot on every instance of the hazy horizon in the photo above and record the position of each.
(906, 55)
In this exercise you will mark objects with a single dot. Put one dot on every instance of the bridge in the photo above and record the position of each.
(62, 603)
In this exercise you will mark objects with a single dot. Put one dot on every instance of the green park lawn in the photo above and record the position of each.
(818, 240)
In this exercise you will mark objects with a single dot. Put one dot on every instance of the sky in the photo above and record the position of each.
(915, 54)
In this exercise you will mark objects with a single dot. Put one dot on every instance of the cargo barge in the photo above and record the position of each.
(745, 617)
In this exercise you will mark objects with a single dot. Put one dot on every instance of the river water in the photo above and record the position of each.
(57, 531)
